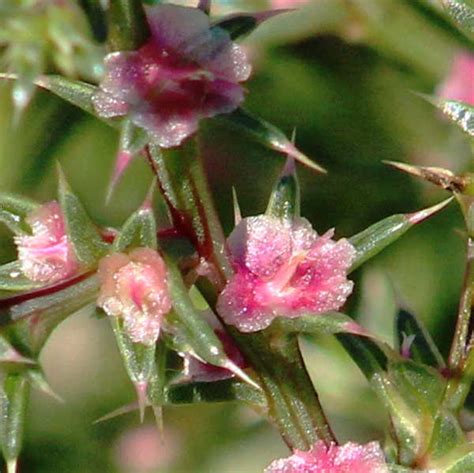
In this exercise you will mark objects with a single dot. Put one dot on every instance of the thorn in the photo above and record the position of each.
(231, 366)
(118, 412)
(147, 203)
(417, 217)
(237, 212)
(123, 159)
(158, 413)
(291, 150)
(141, 388)
(439, 176)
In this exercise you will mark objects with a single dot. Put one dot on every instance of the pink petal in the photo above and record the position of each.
(459, 85)
(348, 458)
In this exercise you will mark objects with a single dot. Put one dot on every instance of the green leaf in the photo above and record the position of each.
(13, 211)
(138, 230)
(14, 393)
(460, 113)
(12, 279)
(127, 25)
(378, 236)
(139, 361)
(219, 391)
(267, 134)
(422, 347)
(83, 234)
(463, 465)
(285, 197)
(28, 320)
(10, 357)
(462, 11)
(329, 323)
(197, 333)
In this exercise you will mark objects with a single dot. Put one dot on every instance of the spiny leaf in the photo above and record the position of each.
(466, 463)
(462, 11)
(197, 332)
(311, 324)
(268, 135)
(28, 320)
(285, 197)
(378, 236)
(422, 348)
(12, 279)
(83, 235)
(14, 393)
(13, 211)
(138, 230)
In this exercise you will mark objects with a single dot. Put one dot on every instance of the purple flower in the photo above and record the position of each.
(186, 71)
(348, 458)
(134, 287)
(47, 255)
(284, 269)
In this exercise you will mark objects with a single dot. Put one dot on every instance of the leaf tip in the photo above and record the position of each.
(421, 215)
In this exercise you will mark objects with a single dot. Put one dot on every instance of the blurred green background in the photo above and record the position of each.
(346, 84)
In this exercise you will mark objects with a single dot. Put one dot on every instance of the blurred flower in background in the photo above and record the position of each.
(459, 84)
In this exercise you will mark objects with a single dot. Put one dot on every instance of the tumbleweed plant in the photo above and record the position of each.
(222, 279)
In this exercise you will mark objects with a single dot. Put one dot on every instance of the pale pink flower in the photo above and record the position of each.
(459, 84)
(348, 458)
(197, 370)
(134, 287)
(284, 269)
(47, 255)
(185, 72)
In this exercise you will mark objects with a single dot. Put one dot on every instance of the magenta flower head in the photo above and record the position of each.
(186, 71)
(283, 268)
(46, 255)
(459, 84)
(134, 287)
(348, 458)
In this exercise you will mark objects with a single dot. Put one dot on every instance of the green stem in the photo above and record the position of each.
(461, 357)
(293, 403)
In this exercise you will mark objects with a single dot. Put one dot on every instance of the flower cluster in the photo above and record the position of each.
(348, 458)
(186, 71)
(283, 268)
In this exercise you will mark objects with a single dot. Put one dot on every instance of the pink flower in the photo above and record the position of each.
(459, 84)
(196, 370)
(185, 72)
(283, 269)
(134, 287)
(348, 458)
(47, 255)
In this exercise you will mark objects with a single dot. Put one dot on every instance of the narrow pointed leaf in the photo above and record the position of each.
(29, 319)
(84, 237)
(12, 279)
(139, 361)
(268, 135)
(422, 349)
(329, 323)
(138, 230)
(219, 391)
(10, 356)
(13, 211)
(127, 25)
(378, 236)
(460, 113)
(462, 11)
(285, 197)
(242, 24)
(38, 380)
(463, 465)
(14, 393)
